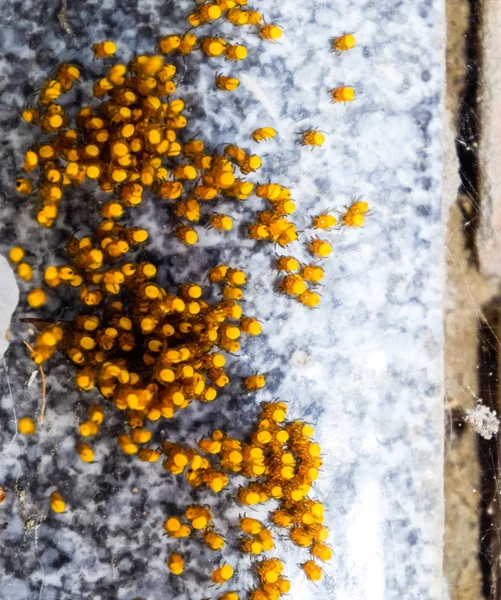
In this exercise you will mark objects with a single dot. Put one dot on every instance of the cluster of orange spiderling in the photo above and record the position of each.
(231, 11)
(199, 518)
(152, 350)
(259, 538)
(271, 583)
(156, 351)
(245, 162)
(283, 462)
(197, 469)
(131, 139)
(215, 47)
(355, 214)
(289, 457)
(46, 343)
(124, 144)
(153, 354)
(273, 225)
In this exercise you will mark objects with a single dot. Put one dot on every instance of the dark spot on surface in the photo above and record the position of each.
(423, 210)
(61, 560)
(412, 538)
(125, 474)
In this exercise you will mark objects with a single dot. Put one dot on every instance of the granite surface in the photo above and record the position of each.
(364, 368)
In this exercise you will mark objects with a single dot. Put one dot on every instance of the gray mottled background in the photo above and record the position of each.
(365, 367)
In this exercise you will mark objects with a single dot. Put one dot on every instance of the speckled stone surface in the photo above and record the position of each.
(365, 368)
